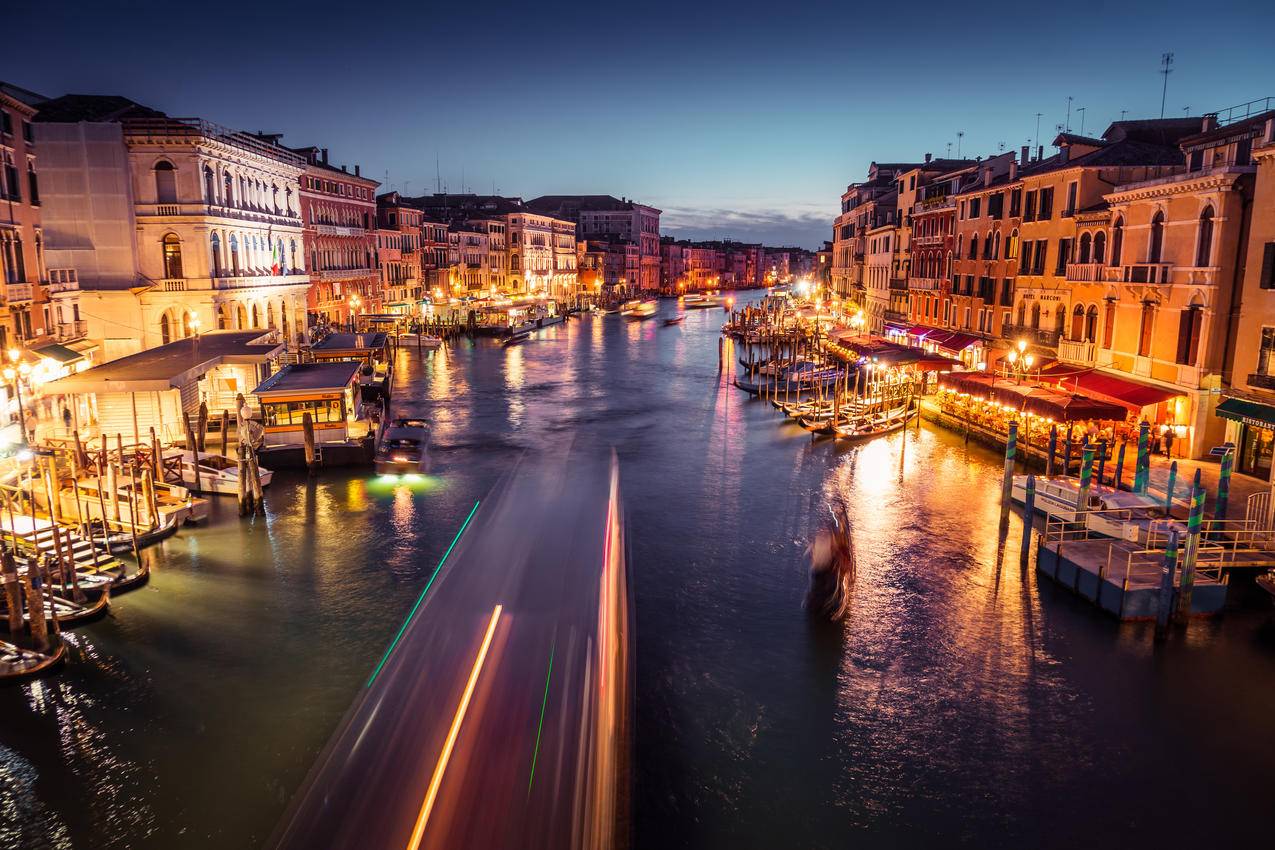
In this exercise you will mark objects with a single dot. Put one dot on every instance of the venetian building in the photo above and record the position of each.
(1248, 394)
(1174, 256)
(609, 218)
(25, 312)
(398, 256)
(187, 225)
(931, 245)
(338, 214)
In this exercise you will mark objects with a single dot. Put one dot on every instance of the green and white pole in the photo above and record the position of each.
(1168, 494)
(1007, 482)
(1224, 485)
(1115, 485)
(1029, 515)
(1143, 466)
(1192, 552)
(1164, 608)
(1086, 478)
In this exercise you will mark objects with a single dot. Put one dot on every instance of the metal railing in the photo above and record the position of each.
(1239, 112)
(1147, 272)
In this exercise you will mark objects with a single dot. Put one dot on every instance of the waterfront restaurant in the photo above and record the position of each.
(327, 391)
(1251, 429)
(153, 388)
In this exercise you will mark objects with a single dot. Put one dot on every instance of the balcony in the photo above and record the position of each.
(1086, 272)
(925, 283)
(17, 293)
(339, 230)
(896, 315)
(263, 215)
(345, 274)
(67, 331)
(1146, 273)
(1077, 351)
(172, 284)
(1034, 336)
(262, 280)
(1265, 382)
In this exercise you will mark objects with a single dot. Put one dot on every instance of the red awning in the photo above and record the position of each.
(919, 330)
(956, 341)
(1132, 394)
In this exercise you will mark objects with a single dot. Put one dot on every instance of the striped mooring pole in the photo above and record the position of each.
(1007, 482)
(1029, 513)
(1115, 485)
(1224, 485)
(1067, 453)
(1143, 466)
(1086, 475)
(1164, 608)
(1168, 494)
(1102, 461)
(1053, 450)
(1192, 552)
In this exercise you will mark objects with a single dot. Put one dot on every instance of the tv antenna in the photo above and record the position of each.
(960, 134)
(1081, 110)
(1166, 68)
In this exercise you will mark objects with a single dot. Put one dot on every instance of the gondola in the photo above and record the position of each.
(18, 663)
(675, 320)
(875, 426)
(516, 338)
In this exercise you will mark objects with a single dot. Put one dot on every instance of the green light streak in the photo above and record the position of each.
(536, 752)
(421, 598)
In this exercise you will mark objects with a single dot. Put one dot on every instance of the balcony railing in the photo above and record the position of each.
(1147, 272)
(1266, 382)
(1086, 272)
(1077, 351)
(1035, 336)
(173, 284)
(66, 331)
(899, 284)
(17, 292)
(931, 283)
(342, 274)
(259, 280)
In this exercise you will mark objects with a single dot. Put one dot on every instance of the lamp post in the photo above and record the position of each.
(14, 375)
(355, 301)
(1020, 362)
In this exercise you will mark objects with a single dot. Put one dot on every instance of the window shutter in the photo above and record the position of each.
(1267, 281)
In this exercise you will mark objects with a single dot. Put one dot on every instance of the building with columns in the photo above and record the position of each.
(338, 216)
(608, 217)
(188, 226)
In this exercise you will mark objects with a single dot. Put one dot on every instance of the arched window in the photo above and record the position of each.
(1036, 314)
(225, 317)
(165, 183)
(166, 328)
(1060, 320)
(1086, 245)
(1100, 247)
(241, 317)
(1189, 325)
(1011, 247)
(973, 255)
(1022, 313)
(996, 246)
(292, 255)
(1091, 323)
(277, 261)
(1204, 250)
(228, 190)
(1145, 328)
(270, 315)
(960, 244)
(256, 316)
(215, 245)
(172, 256)
(283, 318)
(1077, 322)
(210, 186)
(187, 323)
(987, 246)
(1155, 249)
(1117, 241)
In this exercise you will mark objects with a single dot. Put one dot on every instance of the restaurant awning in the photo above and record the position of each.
(60, 353)
(1132, 394)
(955, 341)
(1033, 398)
(1248, 412)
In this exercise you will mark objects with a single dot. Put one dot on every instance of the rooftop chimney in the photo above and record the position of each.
(356, 170)
(928, 157)
(1026, 153)
(343, 168)
(1013, 170)
(1040, 152)
(1210, 122)
(324, 152)
(987, 177)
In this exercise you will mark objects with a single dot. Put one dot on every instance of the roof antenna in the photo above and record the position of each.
(1166, 68)
(960, 134)
(1123, 112)
(1081, 110)
(438, 178)
(949, 150)
(1067, 123)
(1036, 141)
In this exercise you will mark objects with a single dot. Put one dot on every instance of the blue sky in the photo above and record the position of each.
(741, 120)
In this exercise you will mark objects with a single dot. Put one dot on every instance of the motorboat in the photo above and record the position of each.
(217, 473)
(644, 310)
(701, 302)
(427, 341)
(675, 320)
(404, 447)
(516, 338)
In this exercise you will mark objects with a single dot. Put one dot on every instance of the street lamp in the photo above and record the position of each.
(355, 301)
(1020, 362)
(14, 375)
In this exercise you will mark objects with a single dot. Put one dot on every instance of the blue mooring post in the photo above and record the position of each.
(1029, 514)
(1053, 450)
(1164, 607)
(1168, 495)
(1119, 465)
(1007, 483)
(1086, 474)
(1067, 453)
(1223, 486)
(1102, 460)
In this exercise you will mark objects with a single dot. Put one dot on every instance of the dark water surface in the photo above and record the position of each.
(962, 704)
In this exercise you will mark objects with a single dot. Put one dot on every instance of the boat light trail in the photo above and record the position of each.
(540, 728)
(421, 598)
(436, 780)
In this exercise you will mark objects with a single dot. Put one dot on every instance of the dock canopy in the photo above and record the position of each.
(1249, 412)
(172, 366)
(347, 345)
(306, 378)
(1033, 398)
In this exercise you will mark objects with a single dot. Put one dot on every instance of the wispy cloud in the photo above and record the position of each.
(807, 226)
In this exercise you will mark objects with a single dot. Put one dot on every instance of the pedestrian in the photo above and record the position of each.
(1168, 442)
(66, 417)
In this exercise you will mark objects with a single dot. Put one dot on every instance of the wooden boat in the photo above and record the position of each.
(96, 569)
(120, 542)
(675, 320)
(875, 426)
(516, 338)
(1266, 581)
(18, 663)
(404, 447)
(69, 613)
(217, 473)
(171, 500)
(427, 341)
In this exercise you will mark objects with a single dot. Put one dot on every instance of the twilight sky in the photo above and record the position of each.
(742, 119)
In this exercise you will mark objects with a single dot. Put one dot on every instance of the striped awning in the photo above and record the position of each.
(1248, 412)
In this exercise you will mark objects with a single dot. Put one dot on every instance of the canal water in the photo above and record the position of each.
(962, 703)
